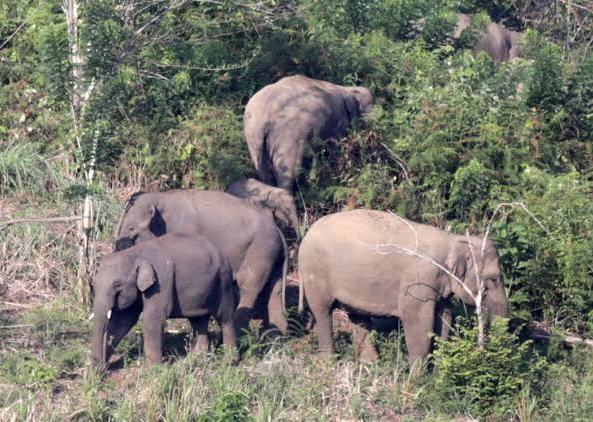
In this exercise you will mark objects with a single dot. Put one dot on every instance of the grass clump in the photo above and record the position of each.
(484, 383)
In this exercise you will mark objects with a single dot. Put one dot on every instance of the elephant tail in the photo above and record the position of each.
(284, 267)
(301, 295)
(256, 136)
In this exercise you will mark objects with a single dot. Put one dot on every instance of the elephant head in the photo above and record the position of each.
(467, 262)
(359, 101)
(141, 221)
(119, 282)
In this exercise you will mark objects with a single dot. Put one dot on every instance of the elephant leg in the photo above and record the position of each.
(120, 324)
(418, 322)
(153, 338)
(443, 320)
(322, 312)
(287, 159)
(276, 319)
(247, 297)
(363, 348)
(200, 328)
(255, 271)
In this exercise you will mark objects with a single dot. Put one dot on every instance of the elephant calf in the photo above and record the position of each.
(372, 263)
(278, 201)
(173, 276)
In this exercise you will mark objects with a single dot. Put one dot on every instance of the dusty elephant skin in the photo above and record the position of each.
(173, 276)
(499, 43)
(278, 201)
(349, 259)
(246, 235)
(282, 116)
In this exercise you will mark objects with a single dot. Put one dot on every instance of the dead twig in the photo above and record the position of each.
(38, 220)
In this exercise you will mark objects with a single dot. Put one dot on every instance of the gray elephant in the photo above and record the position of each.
(277, 201)
(173, 276)
(355, 260)
(246, 235)
(282, 116)
(499, 43)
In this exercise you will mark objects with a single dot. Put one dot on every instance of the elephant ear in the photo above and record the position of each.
(145, 276)
(351, 105)
(459, 259)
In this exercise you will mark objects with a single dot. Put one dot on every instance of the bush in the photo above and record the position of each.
(487, 381)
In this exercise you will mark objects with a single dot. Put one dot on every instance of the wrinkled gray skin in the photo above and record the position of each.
(276, 200)
(173, 276)
(246, 235)
(499, 43)
(282, 116)
(346, 260)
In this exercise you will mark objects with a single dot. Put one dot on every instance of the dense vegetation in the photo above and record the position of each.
(156, 103)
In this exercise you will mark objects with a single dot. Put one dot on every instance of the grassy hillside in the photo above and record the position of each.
(156, 102)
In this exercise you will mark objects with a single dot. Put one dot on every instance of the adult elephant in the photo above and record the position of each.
(499, 43)
(367, 262)
(246, 235)
(282, 116)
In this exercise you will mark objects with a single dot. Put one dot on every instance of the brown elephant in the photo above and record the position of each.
(499, 43)
(173, 276)
(355, 260)
(282, 116)
(277, 201)
(246, 235)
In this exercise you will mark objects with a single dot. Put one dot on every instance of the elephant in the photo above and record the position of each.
(376, 264)
(172, 276)
(246, 235)
(277, 201)
(499, 43)
(282, 116)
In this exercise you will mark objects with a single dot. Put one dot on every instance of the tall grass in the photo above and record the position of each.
(22, 169)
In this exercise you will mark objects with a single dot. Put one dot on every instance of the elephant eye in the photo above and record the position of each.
(131, 228)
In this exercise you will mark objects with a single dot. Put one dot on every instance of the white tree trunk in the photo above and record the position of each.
(78, 99)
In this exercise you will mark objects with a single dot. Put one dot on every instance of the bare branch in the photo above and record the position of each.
(38, 220)
(509, 204)
(11, 36)
(405, 251)
(403, 220)
(402, 164)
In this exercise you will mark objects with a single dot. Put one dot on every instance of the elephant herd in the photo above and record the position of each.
(179, 253)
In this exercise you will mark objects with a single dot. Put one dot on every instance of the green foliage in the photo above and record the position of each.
(470, 190)
(486, 381)
(207, 151)
(23, 169)
(548, 268)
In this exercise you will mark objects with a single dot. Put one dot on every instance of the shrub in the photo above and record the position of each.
(488, 380)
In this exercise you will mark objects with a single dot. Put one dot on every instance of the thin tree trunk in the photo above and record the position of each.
(78, 100)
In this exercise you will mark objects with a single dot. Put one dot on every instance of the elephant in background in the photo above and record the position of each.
(354, 260)
(499, 43)
(246, 235)
(282, 116)
(277, 201)
(173, 276)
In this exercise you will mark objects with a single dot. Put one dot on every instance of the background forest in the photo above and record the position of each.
(115, 96)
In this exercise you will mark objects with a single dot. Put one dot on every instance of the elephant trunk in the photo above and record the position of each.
(102, 315)
(498, 303)
(123, 243)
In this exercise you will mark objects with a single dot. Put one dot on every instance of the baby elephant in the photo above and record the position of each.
(279, 201)
(173, 276)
